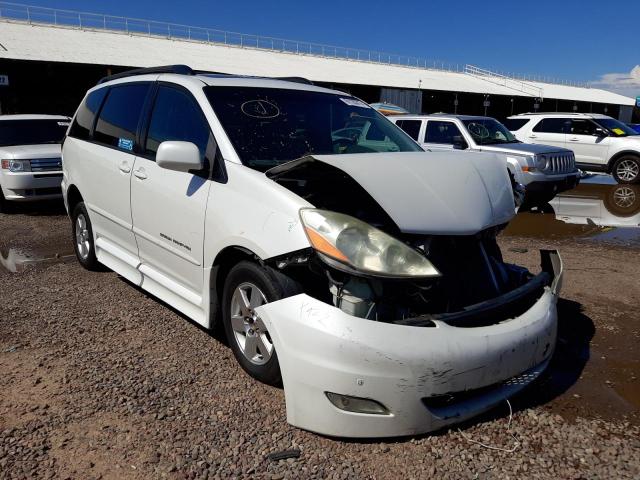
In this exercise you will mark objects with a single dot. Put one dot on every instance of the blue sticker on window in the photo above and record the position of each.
(125, 144)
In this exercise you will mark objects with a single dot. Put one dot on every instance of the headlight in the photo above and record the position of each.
(16, 165)
(541, 162)
(361, 246)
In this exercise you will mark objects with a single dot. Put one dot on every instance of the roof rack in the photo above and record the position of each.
(553, 113)
(306, 81)
(178, 69)
(186, 70)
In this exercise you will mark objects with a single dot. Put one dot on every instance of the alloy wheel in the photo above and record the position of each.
(82, 237)
(628, 170)
(249, 330)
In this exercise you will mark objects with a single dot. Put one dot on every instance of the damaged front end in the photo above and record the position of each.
(410, 319)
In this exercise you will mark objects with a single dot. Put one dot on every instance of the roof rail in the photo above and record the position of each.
(186, 70)
(306, 81)
(179, 69)
(553, 113)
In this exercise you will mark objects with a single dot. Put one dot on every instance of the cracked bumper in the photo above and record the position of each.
(410, 370)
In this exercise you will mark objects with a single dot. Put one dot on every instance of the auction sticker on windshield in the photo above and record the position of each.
(352, 102)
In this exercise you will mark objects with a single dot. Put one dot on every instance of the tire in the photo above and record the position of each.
(82, 235)
(246, 333)
(627, 169)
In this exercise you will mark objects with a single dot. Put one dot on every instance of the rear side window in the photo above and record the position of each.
(581, 126)
(176, 117)
(515, 124)
(553, 125)
(411, 127)
(81, 127)
(118, 119)
(441, 132)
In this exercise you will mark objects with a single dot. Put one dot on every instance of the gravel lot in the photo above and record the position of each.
(99, 380)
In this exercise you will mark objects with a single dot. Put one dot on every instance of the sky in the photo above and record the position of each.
(586, 41)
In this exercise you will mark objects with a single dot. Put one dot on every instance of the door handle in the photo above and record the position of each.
(140, 173)
(533, 136)
(574, 139)
(124, 167)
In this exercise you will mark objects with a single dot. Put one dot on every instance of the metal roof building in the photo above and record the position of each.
(42, 36)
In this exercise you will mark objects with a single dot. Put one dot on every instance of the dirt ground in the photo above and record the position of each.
(100, 380)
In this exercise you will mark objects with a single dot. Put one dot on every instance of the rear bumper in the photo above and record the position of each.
(31, 186)
(427, 377)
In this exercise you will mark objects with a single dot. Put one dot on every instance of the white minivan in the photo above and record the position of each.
(359, 273)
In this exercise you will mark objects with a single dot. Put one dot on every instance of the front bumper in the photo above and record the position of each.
(410, 370)
(548, 188)
(25, 186)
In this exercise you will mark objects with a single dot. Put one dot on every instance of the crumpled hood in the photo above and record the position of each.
(524, 149)
(440, 193)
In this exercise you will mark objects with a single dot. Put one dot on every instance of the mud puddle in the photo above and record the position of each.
(597, 212)
(16, 260)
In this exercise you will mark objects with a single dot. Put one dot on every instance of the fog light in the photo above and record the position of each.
(357, 404)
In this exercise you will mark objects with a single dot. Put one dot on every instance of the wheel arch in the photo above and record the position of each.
(222, 265)
(618, 155)
(74, 197)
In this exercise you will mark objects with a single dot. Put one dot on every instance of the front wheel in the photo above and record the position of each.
(83, 238)
(247, 287)
(627, 170)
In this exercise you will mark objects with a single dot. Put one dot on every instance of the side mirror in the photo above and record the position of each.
(459, 143)
(601, 132)
(179, 156)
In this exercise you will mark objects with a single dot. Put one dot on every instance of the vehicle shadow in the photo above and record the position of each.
(44, 208)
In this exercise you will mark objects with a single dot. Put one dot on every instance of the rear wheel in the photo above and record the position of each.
(83, 238)
(627, 170)
(247, 287)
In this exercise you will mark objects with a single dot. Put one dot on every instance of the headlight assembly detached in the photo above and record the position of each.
(362, 247)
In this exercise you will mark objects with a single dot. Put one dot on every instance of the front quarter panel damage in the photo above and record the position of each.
(320, 349)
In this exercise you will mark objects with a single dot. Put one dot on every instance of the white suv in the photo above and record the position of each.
(600, 143)
(543, 170)
(361, 273)
(30, 161)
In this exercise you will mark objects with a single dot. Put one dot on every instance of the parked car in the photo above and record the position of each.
(31, 165)
(543, 170)
(368, 282)
(600, 143)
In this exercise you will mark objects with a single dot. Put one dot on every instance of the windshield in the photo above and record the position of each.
(269, 126)
(487, 131)
(32, 132)
(615, 127)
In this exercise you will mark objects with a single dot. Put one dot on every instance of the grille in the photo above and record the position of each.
(46, 164)
(560, 163)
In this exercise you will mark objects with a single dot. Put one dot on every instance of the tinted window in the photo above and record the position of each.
(412, 127)
(271, 126)
(83, 122)
(32, 132)
(553, 125)
(617, 128)
(487, 131)
(441, 132)
(515, 124)
(118, 119)
(583, 127)
(176, 117)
